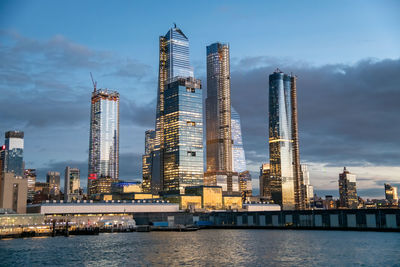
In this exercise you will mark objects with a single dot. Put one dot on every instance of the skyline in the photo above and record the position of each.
(76, 57)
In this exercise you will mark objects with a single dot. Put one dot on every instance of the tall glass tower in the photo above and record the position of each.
(218, 120)
(104, 135)
(173, 62)
(12, 154)
(183, 135)
(239, 159)
(285, 172)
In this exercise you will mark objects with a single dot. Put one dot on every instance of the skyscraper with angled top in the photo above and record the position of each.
(174, 64)
(285, 170)
(218, 120)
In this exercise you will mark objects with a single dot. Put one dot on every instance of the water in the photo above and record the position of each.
(207, 248)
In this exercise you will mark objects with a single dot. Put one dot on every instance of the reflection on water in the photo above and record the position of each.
(207, 248)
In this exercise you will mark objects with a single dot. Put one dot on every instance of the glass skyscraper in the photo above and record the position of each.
(239, 159)
(348, 190)
(183, 135)
(285, 173)
(218, 120)
(173, 62)
(150, 137)
(12, 154)
(308, 188)
(104, 135)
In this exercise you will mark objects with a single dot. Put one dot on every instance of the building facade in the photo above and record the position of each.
(12, 153)
(13, 192)
(265, 192)
(218, 121)
(183, 135)
(173, 62)
(308, 188)
(53, 179)
(245, 186)
(30, 175)
(239, 159)
(147, 163)
(104, 135)
(13, 184)
(72, 184)
(391, 194)
(283, 142)
(348, 190)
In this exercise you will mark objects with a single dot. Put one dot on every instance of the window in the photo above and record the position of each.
(191, 123)
(191, 153)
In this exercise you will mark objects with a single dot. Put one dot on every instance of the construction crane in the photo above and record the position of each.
(94, 82)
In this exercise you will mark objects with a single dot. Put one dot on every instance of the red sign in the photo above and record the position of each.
(3, 147)
(92, 176)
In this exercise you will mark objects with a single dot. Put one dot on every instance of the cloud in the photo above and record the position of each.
(347, 114)
(345, 117)
(45, 83)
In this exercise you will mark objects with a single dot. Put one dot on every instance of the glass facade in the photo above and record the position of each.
(104, 135)
(150, 137)
(245, 186)
(173, 62)
(218, 109)
(239, 160)
(12, 154)
(348, 190)
(53, 179)
(177, 46)
(183, 135)
(265, 188)
(280, 141)
(309, 189)
(30, 175)
(71, 184)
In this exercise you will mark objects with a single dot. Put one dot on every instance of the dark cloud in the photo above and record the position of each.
(348, 114)
(141, 115)
(41, 81)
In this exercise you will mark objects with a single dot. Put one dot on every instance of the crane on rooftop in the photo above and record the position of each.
(94, 83)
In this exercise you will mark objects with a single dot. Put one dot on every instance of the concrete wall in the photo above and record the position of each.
(7, 185)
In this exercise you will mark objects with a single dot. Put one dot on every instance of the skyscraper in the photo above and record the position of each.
(239, 159)
(391, 194)
(53, 179)
(347, 190)
(245, 186)
(308, 188)
(147, 158)
(183, 135)
(218, 120)
(30, 175)
(173, 62)
(264, 178)
(13, 185)
(104, 135)
(12, 153)
(283, 142)
(71, 184)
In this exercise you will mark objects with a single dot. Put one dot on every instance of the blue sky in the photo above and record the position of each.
(48, 48)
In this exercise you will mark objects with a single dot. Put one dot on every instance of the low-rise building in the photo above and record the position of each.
(13, 192)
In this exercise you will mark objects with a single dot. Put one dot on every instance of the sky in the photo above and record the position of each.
(346, 55)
